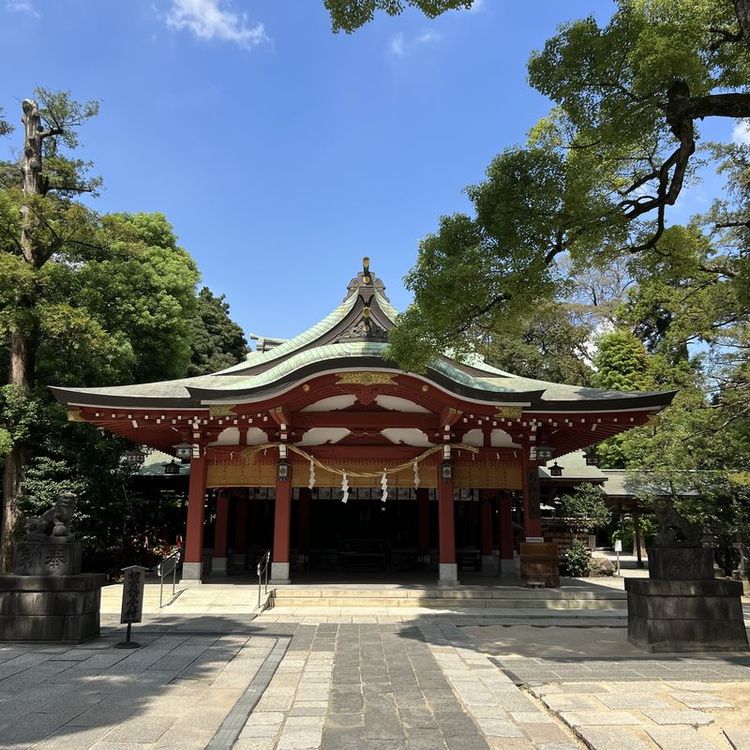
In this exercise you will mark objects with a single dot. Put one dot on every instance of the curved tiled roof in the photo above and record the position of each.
(353, 336)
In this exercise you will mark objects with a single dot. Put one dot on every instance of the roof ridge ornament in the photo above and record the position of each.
(366, 283)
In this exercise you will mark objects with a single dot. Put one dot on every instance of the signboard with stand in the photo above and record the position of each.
(618, 549)
(132, 601)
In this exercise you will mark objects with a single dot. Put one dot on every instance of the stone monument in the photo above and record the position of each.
(48, 598)
(681, 606)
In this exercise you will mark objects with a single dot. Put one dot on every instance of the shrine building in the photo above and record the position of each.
(324, 451)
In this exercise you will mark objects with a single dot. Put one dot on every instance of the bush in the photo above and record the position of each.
(601, 567)
(575, 562)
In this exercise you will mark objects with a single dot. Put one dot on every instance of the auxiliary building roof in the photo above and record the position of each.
(354, 337)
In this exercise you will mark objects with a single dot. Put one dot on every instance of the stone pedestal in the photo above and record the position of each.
(681, 607)
(63, 608)
(49, 558)
(447, 574)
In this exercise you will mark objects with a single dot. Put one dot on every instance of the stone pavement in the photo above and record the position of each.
(436, 682)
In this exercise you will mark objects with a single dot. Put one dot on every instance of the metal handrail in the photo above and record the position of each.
(262, 569)
(164, 568)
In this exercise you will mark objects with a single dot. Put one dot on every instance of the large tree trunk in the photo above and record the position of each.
(22, 337)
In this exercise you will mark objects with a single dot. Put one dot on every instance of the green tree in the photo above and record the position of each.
(85, 300)
(39, 220)
(621, 362)
(217, 341)
(584, 509)
(596, 177)
(349, 15)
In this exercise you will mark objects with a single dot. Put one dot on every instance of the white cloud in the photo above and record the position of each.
(397, 45)
(478, 6)
(20, 6)
(400, 45)
(741, 133)
(214, 19)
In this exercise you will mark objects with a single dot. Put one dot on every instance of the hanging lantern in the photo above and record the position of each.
(447, 468)
(555, 470)
(183, 451)
(591, 458)
(283, 470)
(172, 469)
(543, 453)
(134, 457)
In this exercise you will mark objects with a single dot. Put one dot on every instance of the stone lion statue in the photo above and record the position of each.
(53, 524)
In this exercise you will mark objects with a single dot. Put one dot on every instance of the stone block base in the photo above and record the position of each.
(50, 608)
(489, 565)
(448, 574)
(508, 567)
(685, 615)
(192, 572)
(280, 572)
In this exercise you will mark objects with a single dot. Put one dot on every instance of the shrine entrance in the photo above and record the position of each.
(364, 538)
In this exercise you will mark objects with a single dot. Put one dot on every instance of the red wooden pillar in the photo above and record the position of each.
(240, 530)
(282, 521)
(485, 532)
(423, 521)
(192, 567)
(532, 520)
(305, 499)
(505, 506)
(446, 526)
(221, 532)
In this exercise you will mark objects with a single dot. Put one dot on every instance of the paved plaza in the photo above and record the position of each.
(416, 681)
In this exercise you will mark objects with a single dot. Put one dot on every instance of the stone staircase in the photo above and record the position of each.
(507, 601)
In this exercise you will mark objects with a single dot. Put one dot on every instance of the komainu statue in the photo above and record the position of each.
(53, 524)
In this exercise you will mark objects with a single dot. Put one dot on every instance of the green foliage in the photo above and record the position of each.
(594, 182)
(485, 274)
(583, 509)
(550, 345)
(105, 300)
(19, 412)
(217, 341)
(349, 15)
(625, 531)
(575, 562)
(620, 362)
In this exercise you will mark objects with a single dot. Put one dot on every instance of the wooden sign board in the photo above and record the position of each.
(132, 593)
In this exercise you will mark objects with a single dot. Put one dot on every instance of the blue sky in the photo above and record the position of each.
(283, 153)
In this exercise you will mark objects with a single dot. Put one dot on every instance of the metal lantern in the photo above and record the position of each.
(591, 458)
(134, 457)
(543, 453)
(283, 470)
(447, 470)
(555, 470)
(172, 469)
(183, 451)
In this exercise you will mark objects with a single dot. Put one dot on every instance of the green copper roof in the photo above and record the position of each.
(352, 336)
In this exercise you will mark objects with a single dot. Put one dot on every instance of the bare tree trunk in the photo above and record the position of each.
(23, 335)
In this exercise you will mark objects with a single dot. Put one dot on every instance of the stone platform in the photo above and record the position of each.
(63, 608)
(685, 615)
